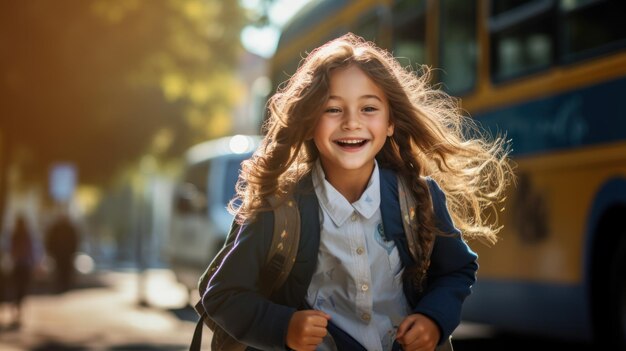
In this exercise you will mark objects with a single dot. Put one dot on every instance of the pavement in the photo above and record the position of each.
(105, 311)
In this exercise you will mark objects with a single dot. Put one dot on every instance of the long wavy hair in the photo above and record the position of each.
(432, 137)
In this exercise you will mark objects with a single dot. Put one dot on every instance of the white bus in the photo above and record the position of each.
(200, 220)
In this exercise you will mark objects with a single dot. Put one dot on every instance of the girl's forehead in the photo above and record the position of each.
(348, 73)
(352, 80)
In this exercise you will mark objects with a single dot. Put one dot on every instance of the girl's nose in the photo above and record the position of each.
(351, 120)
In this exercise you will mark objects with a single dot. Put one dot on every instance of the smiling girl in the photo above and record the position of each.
(347, 126)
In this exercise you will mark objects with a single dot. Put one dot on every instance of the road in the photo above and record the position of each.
(104, 313)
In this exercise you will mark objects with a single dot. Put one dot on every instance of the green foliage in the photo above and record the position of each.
(99, 82)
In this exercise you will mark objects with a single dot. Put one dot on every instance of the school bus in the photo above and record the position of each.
(551, 74)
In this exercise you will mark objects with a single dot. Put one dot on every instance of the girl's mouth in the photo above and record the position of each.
(351, 143)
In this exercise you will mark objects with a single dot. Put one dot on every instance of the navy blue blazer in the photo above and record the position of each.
(233, 300)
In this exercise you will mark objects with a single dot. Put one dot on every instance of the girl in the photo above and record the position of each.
(346, 125)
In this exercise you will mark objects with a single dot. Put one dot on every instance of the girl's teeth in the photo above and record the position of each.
(351, 143)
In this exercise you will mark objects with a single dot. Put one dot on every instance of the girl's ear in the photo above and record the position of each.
(390, 129)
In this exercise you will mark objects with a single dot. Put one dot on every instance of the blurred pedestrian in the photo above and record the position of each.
(3, 279)
(23, 262)
(61, 245)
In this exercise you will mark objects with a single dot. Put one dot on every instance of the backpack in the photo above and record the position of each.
(280, 260)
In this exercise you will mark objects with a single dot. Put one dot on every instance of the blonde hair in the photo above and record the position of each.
(432, 137)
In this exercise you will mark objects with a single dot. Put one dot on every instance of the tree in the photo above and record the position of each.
(99, 82)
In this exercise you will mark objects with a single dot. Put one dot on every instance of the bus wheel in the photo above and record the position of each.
(617, 320)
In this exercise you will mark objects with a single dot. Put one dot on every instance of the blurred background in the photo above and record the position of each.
(123, 124)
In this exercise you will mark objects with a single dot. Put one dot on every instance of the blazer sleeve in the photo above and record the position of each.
(233, 299)
(452, 270)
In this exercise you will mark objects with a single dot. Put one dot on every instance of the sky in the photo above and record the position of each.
(262, 41)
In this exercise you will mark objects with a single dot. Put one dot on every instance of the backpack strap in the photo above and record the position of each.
(408, 206)
(284, 246)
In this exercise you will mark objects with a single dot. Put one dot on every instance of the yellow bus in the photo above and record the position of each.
(551, 74)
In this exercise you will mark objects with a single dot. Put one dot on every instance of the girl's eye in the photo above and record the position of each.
(370, 109)
(332, 110)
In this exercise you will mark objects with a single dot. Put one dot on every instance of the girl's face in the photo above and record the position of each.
(354, 125)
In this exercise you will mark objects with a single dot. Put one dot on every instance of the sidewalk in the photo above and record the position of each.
(103, 313)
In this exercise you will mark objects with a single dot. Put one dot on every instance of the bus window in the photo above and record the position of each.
(369, 26)
(409, 30)
(192, 195)
(522, 37)
(591, 27)
(458, 55)
(501, 6)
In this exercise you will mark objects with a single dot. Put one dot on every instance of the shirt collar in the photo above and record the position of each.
(337, 206)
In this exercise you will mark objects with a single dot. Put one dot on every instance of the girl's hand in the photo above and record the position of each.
(307, 329)
(418, 332)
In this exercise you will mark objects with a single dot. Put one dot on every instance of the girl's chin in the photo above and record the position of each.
(354, 166)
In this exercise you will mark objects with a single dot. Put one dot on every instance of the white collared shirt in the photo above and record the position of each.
(358, 278)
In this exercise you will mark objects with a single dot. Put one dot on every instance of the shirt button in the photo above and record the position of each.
(365, 287)
(366, 317)
(354, 217)
(360, 250)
